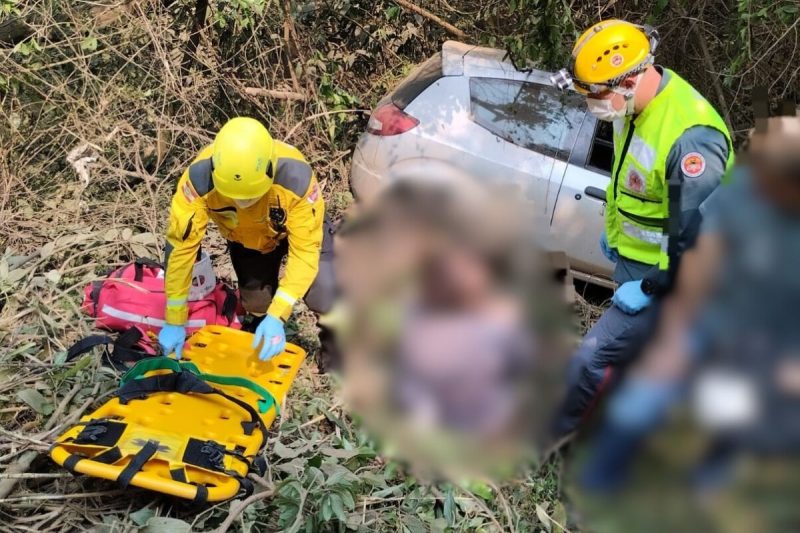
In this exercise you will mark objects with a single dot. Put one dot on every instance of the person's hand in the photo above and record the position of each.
(610, 253)
(271, 336)
(171, 338)
(630, 298)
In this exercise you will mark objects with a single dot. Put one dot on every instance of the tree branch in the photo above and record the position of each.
(278, 95)
(199, 23)
(709, 64)
(433, 18)
(238, 507)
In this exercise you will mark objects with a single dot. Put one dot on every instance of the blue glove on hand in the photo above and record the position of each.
(610, 253)
(630, 298)
(171, 339)
(271, 333)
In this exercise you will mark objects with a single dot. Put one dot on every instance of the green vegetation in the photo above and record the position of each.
(102, 105)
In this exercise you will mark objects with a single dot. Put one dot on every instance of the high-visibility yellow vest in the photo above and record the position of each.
(637, 197)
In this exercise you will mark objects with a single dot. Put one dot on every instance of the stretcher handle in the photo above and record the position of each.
(150, 364)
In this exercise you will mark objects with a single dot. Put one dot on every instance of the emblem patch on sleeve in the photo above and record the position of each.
(693, 164)
(313, 196)
(188, 192)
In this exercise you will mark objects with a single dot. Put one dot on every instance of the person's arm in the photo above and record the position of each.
(698, 159)
(666, 356)
(304, 226)
(188, 219)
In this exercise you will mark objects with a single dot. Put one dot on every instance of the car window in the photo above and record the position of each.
(533, 116)
(601, 155)
(417, 81)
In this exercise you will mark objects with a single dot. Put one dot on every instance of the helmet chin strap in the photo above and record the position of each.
(629, 95)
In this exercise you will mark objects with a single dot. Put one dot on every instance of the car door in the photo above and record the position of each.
(538, 127)
(579, 214)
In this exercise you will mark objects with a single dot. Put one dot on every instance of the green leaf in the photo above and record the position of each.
(391, 12)
(348, 500)
(163, 524)
(412, 524)
(327, 510)
(89, 44)
(36, 401)
(59, 358)
(339, 453)
(338, 475)
(437, 525)
(285, 452)
(141, 516)
(450, 507)
(559, 514)
(544, 519)
(338, 507)
(389, 491)
(481, 489)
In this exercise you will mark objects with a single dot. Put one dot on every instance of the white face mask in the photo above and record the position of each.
(244, 204)
(604, 109)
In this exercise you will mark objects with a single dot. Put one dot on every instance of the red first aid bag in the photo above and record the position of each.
(134, 295)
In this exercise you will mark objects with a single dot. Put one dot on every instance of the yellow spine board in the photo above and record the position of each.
(177, 421)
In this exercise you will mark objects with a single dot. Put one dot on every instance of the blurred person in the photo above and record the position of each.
(671, 149)
(732, 319)
(445, 355)
(265, 199)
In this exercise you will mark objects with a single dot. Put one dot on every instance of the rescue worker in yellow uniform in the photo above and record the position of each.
(671, 150)
(265, 200)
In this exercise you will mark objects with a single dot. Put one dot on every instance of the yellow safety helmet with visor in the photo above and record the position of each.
(606, 54)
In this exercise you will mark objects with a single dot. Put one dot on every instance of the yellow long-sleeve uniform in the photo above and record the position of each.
(293, 208)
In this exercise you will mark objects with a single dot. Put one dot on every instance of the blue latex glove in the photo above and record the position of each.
(630, 298)
(610, 253)
(171, 339)
(271, 332)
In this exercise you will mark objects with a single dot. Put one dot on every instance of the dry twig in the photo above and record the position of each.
(433, 18)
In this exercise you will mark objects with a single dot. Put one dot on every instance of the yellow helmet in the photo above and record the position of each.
(243, 159)
(606, 54)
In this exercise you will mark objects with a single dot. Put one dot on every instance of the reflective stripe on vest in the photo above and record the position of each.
(637, 196)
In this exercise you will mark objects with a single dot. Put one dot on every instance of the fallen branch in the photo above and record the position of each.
(239, 506)
(22, 438)
(35, 476)
(62, 406)
(21, 466)
(278, 95)
(433, 18)
(74, 415)
(317, 115)
(76, 496)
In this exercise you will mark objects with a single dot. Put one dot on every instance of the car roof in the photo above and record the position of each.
(460, 59)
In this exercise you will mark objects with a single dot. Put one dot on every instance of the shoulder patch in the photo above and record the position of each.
(293, 175)
(693, 164)
(200, 176)
(313, 196)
